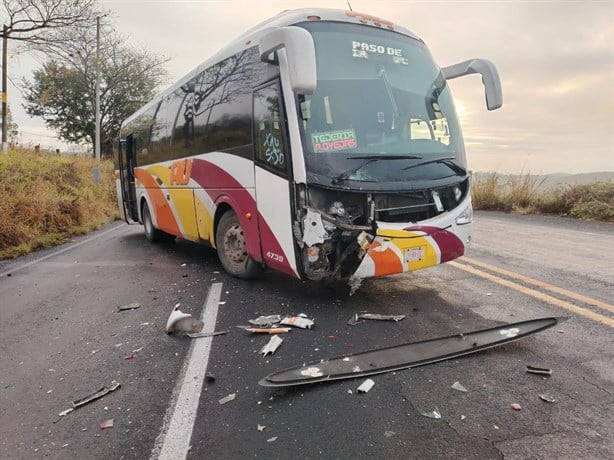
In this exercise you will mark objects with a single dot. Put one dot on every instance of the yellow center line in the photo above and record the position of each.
(536, 294)
(549, 287)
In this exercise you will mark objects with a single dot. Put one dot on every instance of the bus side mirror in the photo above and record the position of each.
(300, 53)
(490, 78)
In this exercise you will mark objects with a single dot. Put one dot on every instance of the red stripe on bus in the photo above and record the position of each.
(449, 244)
(218, 183)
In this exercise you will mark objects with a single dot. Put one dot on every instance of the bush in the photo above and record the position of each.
(45, 199)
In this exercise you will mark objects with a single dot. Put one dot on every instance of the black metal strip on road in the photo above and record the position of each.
(407, 355)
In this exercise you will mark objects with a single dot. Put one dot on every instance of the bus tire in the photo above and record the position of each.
(152, 233)
(232, 248)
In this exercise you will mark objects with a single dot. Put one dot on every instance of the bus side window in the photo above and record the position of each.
(268, 128)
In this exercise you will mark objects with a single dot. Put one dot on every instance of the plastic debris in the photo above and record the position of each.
(547, 398)
(463, 417)
(298, 321)
(389, 434)
(266, 330)
(265, 321)
(130, 306)
(228, 398)
(355, 319)
(539, 370)
(458, 387)
(129, 357)
(96, 395)
(66, 412)
(515, 406)
(179, 321)
(272, 346)
(198, 335)
(273, 439)
(434, 414)
(365, 386)
(261, 428)
(106, 424)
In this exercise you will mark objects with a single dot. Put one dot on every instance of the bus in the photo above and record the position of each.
(322, 143)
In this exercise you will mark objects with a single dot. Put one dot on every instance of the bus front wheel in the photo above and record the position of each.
(151, 232)
(232, 248)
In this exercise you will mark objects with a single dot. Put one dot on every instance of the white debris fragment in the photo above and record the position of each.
(312, 372)
(458, 387)
(272, 346)
(268, 320)
(297, 321)
(261, 427)
(228, 398)
(179, 321)
(433, 414)
(365, 386)
(273, 439)
(389, 434)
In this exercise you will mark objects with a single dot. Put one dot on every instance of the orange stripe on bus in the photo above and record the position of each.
(164, 216)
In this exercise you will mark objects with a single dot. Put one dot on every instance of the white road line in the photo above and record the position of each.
(59, 251)
(173, 442)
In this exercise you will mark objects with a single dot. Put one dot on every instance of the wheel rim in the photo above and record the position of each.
(234, 244)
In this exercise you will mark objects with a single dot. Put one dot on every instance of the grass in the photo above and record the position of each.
(45, 199)
(524, 194)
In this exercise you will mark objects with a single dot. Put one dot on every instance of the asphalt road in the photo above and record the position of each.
(62, 338)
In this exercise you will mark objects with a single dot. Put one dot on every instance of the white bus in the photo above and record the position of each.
(322, 143)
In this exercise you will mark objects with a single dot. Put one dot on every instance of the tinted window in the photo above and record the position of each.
(269, 140)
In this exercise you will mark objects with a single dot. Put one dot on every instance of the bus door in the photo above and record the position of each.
(273, 179)
(126, 161)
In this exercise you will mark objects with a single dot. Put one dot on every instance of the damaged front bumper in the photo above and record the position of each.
(335, 247)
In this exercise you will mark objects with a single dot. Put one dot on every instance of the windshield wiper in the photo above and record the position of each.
(345, 175)
(444, 160)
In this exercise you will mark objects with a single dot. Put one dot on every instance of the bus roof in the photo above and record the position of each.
(283, 19)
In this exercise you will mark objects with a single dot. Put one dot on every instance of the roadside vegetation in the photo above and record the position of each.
(45, 199)
(526, 194)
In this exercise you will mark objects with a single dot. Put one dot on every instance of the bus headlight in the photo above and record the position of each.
(465, 217)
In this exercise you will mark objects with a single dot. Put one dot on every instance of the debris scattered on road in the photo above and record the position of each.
(198, 335)
(129, 357)
(539, 370)
(458, 387)
(298, 321)
(209, 377)
(130, 306)
(547, 398)
(463, 417)
(179, 321)
(106, 424)
(265, 330)
(365, 386)
(66, 412)
(273, 439)
(355, 319)
(261, 428)
(266, 321)
(272, 346)
(433, 414)
(228, 398)
(404, 356)
(515, 406)
(389, 434)
(96, 395)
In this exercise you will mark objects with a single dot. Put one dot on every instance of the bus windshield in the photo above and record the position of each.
(381, 114)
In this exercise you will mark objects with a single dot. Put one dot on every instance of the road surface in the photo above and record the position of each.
(63, 337)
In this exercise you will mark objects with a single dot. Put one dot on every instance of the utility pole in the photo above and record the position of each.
(5, 43)
(97, 140)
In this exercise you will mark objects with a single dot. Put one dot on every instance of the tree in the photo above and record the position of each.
(62, 92)
(12, 128)
(29, 21)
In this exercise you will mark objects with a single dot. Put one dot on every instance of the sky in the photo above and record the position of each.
(555, 59)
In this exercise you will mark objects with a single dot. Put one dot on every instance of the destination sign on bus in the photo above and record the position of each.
(333, 140)
(361, 50)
